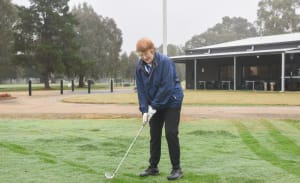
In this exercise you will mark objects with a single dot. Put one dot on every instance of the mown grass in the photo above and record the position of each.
(201, 97)
(213, 151)
(54, 86)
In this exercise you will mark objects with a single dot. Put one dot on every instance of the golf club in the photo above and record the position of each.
(111, 176)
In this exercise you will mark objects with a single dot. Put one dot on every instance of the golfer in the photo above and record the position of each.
(160, 98)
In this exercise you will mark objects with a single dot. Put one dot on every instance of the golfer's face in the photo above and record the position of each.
(147, 56)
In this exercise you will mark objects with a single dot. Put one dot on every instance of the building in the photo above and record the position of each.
(258, 63)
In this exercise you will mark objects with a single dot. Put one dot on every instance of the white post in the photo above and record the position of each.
(282, 71)
(165, 50)
(234, 73)
(195, 74)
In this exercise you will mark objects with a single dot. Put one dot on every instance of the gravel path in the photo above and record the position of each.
(47, 104)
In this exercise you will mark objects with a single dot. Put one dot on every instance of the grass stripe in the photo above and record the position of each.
(80, 166)
(45, 157)
(263, 153)
(294, 123)
(283, 142)
(15, 148)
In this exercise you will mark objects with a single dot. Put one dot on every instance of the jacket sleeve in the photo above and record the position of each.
(143, 104)
(166, 85)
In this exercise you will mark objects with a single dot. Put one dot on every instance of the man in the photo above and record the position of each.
(160, 98)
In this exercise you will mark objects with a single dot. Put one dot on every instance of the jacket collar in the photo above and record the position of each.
(153, 64)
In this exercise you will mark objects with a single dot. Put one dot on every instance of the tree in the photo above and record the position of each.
(127, 65)
(7, 19)
(44, 37)
(172, 49)
(278, 16)
(132, 61)
(229, 30)
(114, 42)
(100, 43)
(124, 65)
(87, 29)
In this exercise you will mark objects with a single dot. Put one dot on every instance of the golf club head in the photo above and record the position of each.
(108, 175)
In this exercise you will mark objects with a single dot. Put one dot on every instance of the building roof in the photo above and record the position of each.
(276, 44)
(274, 39)
(231, 54)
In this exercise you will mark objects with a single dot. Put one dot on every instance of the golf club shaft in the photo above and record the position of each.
(126, 154)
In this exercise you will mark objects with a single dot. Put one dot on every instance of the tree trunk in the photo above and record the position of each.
(46, 82)
(81, 82)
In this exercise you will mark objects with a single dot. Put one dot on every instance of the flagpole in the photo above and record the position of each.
(165, 50)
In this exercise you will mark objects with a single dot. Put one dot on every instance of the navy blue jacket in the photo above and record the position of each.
(161, 87)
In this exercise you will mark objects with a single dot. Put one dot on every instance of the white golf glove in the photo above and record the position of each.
(151, 112)
(145, 118)
(148, 115)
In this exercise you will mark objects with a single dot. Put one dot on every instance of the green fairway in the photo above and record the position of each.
(241, 151)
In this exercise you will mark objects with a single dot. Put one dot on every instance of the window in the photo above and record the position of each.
(226, 72)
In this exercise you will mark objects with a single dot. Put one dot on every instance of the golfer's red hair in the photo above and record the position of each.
(144, 45)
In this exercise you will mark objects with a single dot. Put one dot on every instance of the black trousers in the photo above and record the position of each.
(170, 117)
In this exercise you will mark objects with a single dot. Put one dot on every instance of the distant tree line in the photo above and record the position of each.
(7, 18)
(273, 17)
(48, 40)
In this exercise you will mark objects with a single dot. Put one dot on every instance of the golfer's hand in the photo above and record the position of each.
(151, 112)
(145, 118)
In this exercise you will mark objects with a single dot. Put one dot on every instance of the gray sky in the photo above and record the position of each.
(143, 18)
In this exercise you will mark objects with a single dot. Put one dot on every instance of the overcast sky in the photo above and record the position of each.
(143, 18)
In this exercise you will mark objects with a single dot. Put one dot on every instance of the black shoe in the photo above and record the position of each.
(150, 171)
(175, 174)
